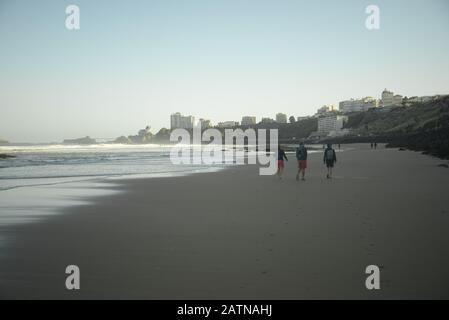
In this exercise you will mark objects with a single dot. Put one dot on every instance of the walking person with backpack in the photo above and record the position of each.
(281, 157)
(330, 158)
(301, 155)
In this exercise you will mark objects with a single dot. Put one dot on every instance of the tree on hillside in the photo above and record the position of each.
(292, 119)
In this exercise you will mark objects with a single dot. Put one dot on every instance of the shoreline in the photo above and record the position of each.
(234, 234)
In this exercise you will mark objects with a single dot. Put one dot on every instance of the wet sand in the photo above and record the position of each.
(237, 235)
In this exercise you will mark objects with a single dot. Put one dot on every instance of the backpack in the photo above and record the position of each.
(330, 154)
(300, 153)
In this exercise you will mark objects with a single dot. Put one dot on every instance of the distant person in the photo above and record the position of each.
(330, 158)
(281, 157)
(339, 146)
(372, 145)
(375, 145)
(301, 155)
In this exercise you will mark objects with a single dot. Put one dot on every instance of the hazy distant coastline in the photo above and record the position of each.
(420, 127)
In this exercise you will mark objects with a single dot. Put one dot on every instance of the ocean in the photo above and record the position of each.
(54, 164)
(43, 179)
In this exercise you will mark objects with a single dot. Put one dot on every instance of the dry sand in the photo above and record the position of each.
(237, 235)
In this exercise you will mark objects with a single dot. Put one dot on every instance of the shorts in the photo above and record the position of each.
(280, 164)
(330, 163)
(302, 164)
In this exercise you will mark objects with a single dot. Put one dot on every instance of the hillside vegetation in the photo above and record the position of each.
(421, 127)
(425, 116)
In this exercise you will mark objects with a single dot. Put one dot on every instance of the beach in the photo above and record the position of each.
(234, 234)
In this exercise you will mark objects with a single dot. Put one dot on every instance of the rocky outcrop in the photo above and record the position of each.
(122, 140)
(81, 141)
(142, 137)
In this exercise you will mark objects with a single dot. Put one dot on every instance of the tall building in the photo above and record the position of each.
(331, 124)
(178, 121)
(358, 105)
(248, 121)
(387, 98)
(281, 118)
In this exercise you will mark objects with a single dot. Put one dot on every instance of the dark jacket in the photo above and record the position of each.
(333, 156)
(301, 153)
(282, 155)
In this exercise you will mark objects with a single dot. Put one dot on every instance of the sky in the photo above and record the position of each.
(133, 63)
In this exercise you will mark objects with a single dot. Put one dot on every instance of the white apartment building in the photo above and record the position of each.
(358, 105)
(178, 121)
(332, 124)
(281, 118)
(248, 121)
(387, 98)
(397, 100)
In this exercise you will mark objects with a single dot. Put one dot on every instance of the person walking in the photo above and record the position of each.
(330, 158)
(301, 155)
(281, 157)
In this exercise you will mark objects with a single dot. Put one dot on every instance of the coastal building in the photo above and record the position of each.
(248, 121)
(358, 105)
(228, 124)
(387, 98)
(411, 100)
(415, 99)
(397, 100)
(178, 121)
(281, 118)
(332, 125)
(302, 118)
(267, 120)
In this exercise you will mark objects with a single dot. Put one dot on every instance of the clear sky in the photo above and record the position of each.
(134, 63)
